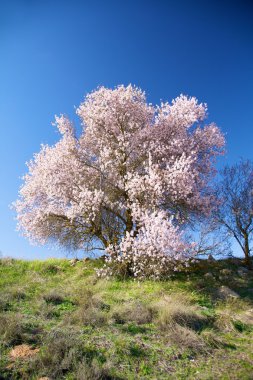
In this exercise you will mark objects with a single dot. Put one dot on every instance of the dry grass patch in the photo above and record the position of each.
(23, 351)
(180, 320)
(212, 339)
(89, 316)
(234, 314)
(54, 297)
(247, 317)
(185, 338)
(134, 312)
(94, 371)
(91, 310)
(177, 309)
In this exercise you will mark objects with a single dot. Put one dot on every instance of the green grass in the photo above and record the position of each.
(86, 328)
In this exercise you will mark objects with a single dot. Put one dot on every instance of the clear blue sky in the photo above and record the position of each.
(53, 52)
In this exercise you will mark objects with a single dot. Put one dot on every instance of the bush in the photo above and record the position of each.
(15, 330)
(5, 302)
(11, 329)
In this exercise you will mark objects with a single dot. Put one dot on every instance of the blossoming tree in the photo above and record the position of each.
(127, 184)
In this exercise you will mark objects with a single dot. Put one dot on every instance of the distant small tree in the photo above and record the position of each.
(208, 239)
(235, 211)
(127, 183)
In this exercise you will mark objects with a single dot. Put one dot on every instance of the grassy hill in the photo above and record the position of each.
(58, 321)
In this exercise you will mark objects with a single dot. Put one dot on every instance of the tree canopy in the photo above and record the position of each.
(127, 183)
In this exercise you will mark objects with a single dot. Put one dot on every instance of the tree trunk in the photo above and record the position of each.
(129, 221)
(247, 258)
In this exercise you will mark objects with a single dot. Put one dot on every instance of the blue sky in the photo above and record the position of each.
(53, 52)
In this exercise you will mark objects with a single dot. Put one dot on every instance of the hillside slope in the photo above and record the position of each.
(58, 321)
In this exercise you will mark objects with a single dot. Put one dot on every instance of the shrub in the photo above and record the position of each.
(15, 329)
(62, 350)
(11, 329)
(7, 298)
(5, 302)
(47, 310)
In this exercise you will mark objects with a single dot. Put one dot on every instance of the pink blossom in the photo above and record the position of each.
(128, 183)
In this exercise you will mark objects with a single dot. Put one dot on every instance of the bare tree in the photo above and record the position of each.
(235, 211)
(209, 240)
